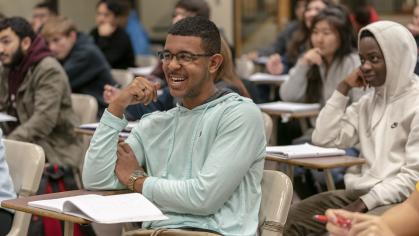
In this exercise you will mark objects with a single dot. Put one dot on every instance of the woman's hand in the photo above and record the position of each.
(361, 224)
(313, 57)
(274, 65)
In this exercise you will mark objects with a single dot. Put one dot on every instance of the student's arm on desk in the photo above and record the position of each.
(294, 89)
(240, 144)
(397, 188)
(337, 125)
(99, 164)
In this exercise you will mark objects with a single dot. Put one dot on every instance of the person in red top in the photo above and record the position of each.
(362, 14)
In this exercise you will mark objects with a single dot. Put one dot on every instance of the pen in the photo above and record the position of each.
(341, 221)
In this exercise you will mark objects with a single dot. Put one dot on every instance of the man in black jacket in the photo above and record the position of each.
(85, 65)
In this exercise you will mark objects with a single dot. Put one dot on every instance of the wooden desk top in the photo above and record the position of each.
(320, 162)
(21, 204)
(87, 132)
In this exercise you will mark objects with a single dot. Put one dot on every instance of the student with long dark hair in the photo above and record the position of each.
(278, 64)
(331, 56)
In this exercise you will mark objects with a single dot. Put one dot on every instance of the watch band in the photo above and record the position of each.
(136, 174)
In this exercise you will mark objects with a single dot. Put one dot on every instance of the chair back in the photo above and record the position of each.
(85, 106)
(122, 77)
(267, 121)
(26, 163)
(276, 200)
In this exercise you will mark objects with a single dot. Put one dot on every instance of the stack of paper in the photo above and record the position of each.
(303, 151)
(131, 207)
(289, 107)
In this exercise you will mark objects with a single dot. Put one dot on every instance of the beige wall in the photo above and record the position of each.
(156, 16)
(81, 11)
(222, 15)
(17, 7)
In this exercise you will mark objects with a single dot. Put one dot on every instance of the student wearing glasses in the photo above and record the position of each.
(182, 159)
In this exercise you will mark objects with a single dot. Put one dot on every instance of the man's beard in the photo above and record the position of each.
(17, 58)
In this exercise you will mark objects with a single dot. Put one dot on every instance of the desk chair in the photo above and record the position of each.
(276, 200)
(122, 77)
(267, 122)
(85, 106)
(26, 162)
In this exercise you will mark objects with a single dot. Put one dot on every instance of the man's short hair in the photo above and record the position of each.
(199, 7)
(199, 27)
(51, 8)
(116, 7)
(19, 25)
(58, 25)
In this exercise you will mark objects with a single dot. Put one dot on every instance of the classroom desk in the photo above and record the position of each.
(324, 164)
(273, 81)
(286, 115)
(21, 204)
(89, 132)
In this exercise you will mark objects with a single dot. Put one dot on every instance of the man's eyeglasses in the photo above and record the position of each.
(181, 57)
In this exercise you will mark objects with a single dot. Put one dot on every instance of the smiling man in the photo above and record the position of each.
(201, 162)
(383, 123)
(34, 88)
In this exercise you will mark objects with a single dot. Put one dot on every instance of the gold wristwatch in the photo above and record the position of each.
(134, 176)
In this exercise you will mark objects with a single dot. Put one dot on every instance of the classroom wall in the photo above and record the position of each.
(158, 19)
(17, 7)
(84, 16)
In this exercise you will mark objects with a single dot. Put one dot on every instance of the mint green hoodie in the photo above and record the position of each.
(205, 164)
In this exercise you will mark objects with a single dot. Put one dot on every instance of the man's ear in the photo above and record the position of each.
(215, 62)
(25, 44)
(73, 36)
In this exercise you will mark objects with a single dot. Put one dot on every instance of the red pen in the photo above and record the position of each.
(341, 221)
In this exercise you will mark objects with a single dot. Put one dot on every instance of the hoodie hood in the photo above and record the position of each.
(400, 54)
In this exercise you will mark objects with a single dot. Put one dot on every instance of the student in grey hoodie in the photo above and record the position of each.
(383, 123)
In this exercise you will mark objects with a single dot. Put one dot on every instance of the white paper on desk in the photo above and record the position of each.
(259, 77)
(303, 151)
(6, 117)
(130, 207)
(290, 106)
(146, 70)
(93, 126)
(261, 60)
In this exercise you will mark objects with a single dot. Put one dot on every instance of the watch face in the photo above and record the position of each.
(139, 173)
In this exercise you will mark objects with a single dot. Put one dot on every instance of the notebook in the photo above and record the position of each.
(265, 77)
(290, 106)
(130, 207)
(303, 151)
